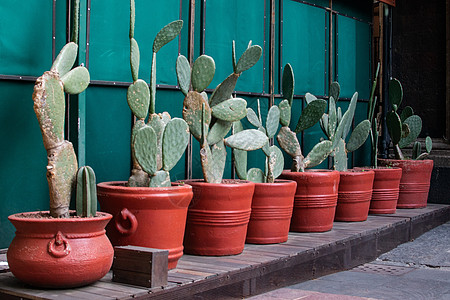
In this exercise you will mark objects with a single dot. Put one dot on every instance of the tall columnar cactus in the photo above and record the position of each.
(86, 192)
(210, 120)
(160, 143)
(274, 157)
(337, 126)
(310, 115)
(406, 127)
(373, 133)
(50, 106)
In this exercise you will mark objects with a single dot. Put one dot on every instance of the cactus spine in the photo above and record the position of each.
(159, 144)
(337, 126)
(49, 106)
(210, 120)
(406, 127)
(287, 138)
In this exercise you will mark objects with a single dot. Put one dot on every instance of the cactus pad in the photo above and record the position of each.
(217, 162)
(415, 127)
(255, 175)
(174, 142)
(335, 90)
(428, 144)
(272, 122)
(311, 115)
(230, 110)
(288, 141)
(394, 125)
(134, 59)
(202, 72)
(340, 157)
(248, 140)
(167, 34)
(332, 117)
(253, 118)
(406, 113)
(160, 179)
(132, 18)
(417, 150)
(248, 59)
(395, 93)
(224, 90)
(183, 74)
(65, 59)
(309, 98)
(358, 136)
(288, 83)
(76, 81)
(146, 149)
(276, 160)
(192, 113)
(138, 97)
(218, 131)
(318, 154)
(285, 112)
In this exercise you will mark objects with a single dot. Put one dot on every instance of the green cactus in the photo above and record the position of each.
(405, 128)
(373, 133)
(311, 114)
(86, 192)
(210, 120)
(49, 106)
(159, 144)
(337, 126)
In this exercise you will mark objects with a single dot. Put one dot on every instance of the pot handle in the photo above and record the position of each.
(58, 241)
(124, 215)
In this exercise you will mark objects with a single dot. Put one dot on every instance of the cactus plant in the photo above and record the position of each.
(49, 106)
(159, 144)
(311, 114)
(373, 133)
(406, 127)
(337, 126)
(274, 157)
(210, 120)
(86, 192)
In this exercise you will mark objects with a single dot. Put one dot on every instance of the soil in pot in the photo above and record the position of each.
(415, 182)
(218, 217)
(355, 193)
(59, 253)
(146, 217)
(315, 199)
(271, 212)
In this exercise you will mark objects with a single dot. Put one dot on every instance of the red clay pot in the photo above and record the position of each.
(218, 217)
(59, 253)
(146, 217)
(271, 212)
(415, 182)
(385, 190)
(315, 199)
(355, 192)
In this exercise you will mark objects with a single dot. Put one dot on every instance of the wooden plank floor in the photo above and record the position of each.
(260, 267)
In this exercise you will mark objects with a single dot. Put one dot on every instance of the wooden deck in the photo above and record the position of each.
(260, 267)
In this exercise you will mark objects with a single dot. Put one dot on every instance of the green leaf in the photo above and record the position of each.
(311, 115)
(167, 34)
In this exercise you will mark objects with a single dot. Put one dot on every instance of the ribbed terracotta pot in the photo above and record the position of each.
(385, 190)
(59, 253)
(315, 199)
(415, 182)
(146, 217)
(355, 193)
(271, 212)
(218, 217)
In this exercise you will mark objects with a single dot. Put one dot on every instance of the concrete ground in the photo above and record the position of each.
(416, 270)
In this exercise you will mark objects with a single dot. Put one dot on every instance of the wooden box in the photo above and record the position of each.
(140, 266)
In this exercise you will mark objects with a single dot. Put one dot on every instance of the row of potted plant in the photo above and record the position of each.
(213, 216)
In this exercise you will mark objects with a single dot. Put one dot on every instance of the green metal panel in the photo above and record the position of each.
(231, 20)
(304, 46)
(23, 157)
(109, 52)
(361, 9)
(353, 59)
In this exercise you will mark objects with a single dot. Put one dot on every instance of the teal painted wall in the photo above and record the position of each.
(102, 114)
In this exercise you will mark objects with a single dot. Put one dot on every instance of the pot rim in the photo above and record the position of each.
(101, 216)
(356, 172)
(232, 182)
(379, 168)
(120, 185)
(311, 171)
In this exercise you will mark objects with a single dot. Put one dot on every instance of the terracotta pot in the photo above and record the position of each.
(355, 192)
(315, 199)
(146, 217)
(59, 253)
(218, 217)
(271, 212)
(385, 190)
(415, 182)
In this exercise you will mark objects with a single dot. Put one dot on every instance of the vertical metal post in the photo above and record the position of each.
(272, 54)
(387, 73)
(447, 119)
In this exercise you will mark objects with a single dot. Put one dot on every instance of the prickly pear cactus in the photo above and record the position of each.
(404, 129)
(373, 133)
(210, 120)
(49, 106)
(287, 139)
(159, 144)
(337, 126)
